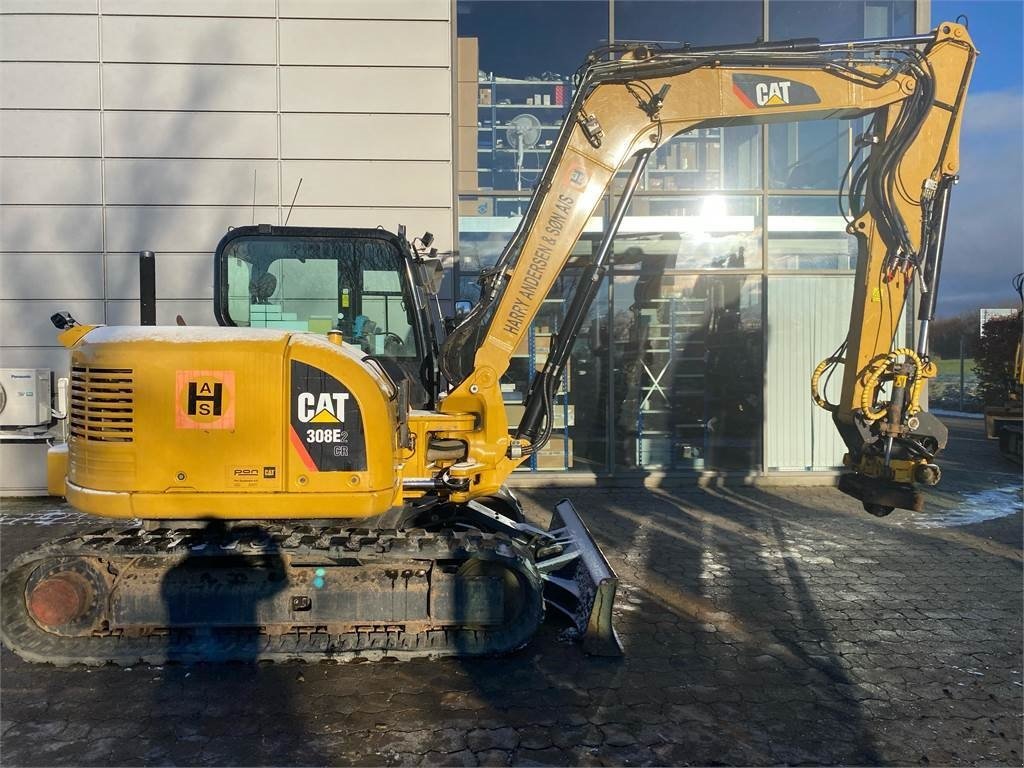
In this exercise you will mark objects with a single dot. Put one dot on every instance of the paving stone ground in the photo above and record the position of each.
(761, 626)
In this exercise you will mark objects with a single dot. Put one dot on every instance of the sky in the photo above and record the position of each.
(985, 239)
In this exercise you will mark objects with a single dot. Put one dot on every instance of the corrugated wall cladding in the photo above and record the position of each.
(156, 124)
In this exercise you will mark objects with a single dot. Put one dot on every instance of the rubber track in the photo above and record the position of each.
(21, 634)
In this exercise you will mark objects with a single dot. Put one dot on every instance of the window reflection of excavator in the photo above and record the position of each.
(424, 551)
(688, 366)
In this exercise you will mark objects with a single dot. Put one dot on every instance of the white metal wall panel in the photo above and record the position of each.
(71, 229)
(51, 276)
(400, 90)
(183, 87)
(189, 40)
(167, 229)
(364, 43)
(193, 312)
(26, 323)
(38, 180)
(366, 137)
(214, 8)
(368, 182)
(49, 6)
(190, 134)
(139, 127)
(199, 182)
(417, 220)
(437, 10)
(32, 37)
(178, 275)
(49, 133)
(49, 85)
(55, 358)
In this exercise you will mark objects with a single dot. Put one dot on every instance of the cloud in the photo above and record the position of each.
(985, 240)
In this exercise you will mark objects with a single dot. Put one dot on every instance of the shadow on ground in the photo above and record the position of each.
(761, 627)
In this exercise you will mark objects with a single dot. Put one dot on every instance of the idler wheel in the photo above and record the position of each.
(60, 599)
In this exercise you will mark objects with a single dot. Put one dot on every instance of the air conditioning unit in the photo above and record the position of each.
(24, 397)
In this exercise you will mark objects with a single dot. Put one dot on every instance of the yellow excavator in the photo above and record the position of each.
(317, 479)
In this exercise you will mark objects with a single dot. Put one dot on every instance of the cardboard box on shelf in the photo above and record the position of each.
(562, 414)
(514, 412)
(468, 64)
(484, 97)
(511, 396)
(476, 206)
(553, 454)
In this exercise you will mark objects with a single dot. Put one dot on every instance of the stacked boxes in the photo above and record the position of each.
(553, 454)
(271, 316)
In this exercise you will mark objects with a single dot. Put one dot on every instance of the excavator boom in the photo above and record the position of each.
(627, 106)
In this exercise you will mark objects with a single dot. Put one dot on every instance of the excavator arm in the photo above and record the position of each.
(630, 101)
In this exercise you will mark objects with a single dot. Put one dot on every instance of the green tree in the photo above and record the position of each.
(994, 358)
(944, 335)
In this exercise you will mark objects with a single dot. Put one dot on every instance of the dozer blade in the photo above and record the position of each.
(580, 583)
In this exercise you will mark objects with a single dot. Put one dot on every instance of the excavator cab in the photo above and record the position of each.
(368, 284)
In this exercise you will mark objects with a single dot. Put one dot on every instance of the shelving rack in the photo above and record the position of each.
(673, 378)
(495, 159)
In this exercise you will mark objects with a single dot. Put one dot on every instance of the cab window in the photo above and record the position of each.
(317, 284)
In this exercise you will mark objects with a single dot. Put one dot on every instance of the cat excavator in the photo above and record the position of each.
(317, 479)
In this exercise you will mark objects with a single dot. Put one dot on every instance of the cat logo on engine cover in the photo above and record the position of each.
(326, 428)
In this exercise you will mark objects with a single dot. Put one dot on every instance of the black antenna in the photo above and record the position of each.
(297, 188)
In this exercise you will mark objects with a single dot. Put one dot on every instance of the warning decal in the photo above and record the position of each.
(204, 400)
(326, 427)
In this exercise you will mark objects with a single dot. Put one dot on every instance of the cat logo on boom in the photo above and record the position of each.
(758, 92)
(772, 94)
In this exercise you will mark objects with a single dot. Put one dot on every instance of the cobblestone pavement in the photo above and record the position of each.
(761, 626)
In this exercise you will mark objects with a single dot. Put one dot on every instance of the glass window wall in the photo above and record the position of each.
(696, 22)
(690, 232)
(703, 159)
(686, 351)
(834, 20)
(525, 39)
(667, 373)
(813, 155)
(808, 233)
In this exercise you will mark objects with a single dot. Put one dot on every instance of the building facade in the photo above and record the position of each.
(731, 273)
(136, 124)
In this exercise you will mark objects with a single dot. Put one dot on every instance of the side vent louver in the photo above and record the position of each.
(102, 404)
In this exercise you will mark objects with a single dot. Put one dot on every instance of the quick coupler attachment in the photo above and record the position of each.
(579, 582)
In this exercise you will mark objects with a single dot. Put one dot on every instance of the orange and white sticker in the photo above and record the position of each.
(205, 400)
